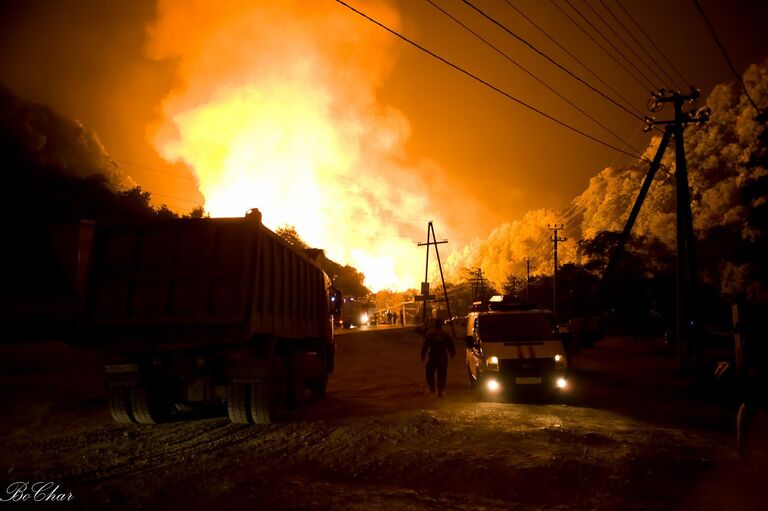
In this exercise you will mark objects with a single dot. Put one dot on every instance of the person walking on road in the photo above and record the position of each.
(435, 350)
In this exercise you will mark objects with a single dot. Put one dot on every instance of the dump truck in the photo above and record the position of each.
(193, 313)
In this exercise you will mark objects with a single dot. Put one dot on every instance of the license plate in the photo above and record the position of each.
(528, 380)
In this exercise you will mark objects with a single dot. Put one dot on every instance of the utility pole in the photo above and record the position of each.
(478, 286)
(432, 240)
(555, 238)
(687, 280)
(527, 277)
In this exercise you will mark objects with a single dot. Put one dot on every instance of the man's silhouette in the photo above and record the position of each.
(435, 350)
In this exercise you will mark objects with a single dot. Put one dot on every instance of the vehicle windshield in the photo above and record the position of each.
(515, 327)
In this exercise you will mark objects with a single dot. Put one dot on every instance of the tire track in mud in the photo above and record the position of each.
(171, 447)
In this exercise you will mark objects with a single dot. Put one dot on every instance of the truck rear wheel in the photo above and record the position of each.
(120, 405)
(239, 402)
(268, 398)
(259, 402)
(147, 405)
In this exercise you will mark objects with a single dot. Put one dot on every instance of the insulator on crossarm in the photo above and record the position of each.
(649, 123)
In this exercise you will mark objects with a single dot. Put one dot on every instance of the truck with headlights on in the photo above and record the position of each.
(510, 352)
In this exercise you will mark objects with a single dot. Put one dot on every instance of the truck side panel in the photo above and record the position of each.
(203, 280)
(290, 295)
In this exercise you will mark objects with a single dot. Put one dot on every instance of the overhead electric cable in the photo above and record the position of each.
(564, 219)
(484, 82)
(128, 189)
(725, 54)
(624, 42)
(574, 57)
(553, 61)
(640, 45)
(663, 55)
(568, 211)
(145, 167)
(599, 45)
(532, 75)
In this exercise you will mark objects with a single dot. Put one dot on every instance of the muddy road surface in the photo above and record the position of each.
(628, 435)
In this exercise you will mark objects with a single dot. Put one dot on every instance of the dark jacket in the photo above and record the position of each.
(438, 344)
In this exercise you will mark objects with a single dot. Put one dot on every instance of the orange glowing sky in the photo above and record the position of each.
(328, 123)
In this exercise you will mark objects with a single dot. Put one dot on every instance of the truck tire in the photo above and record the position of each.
(120, 405)
(268, 398)
(296, 379)
(239, 403)
(147, 405)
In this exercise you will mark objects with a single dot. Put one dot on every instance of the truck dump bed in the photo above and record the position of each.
(197, 281)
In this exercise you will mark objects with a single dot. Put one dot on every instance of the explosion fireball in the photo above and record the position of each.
(277, 109)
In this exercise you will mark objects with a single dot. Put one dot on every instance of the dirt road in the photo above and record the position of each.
(630, 436)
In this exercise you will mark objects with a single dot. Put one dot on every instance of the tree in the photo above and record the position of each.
(346, 279)
(512, 284)
(291, 236)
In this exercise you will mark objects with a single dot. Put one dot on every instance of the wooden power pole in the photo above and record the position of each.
(527, 277)
(687, 282)
(555, 238)
(432, 241)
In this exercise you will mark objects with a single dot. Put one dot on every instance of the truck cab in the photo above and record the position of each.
(513, 351)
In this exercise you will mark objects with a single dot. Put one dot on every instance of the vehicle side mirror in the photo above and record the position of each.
(470, 342)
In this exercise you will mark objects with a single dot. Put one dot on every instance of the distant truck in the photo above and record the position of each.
(357, 312)
(193, 312)
(514, 348)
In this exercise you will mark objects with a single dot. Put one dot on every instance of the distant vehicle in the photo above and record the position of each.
(193, 312)
(515, 350)
(357, 312)
(337, 305)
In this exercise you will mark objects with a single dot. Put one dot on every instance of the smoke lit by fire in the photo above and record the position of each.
(277, 109)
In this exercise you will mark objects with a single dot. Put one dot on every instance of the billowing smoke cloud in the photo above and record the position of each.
(33, 135)
(278, 109)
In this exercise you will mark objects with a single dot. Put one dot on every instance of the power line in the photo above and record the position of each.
(725, 54)
(567, 211)
(550, 59)
(145, 167)
(128, 189)
(484, 82)
(663, 55)
(599, 45)
(567, 219)
(532, 75)
(640, 59)
(642, 47)
(115, 161)
(574, 57)
(542, 241)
